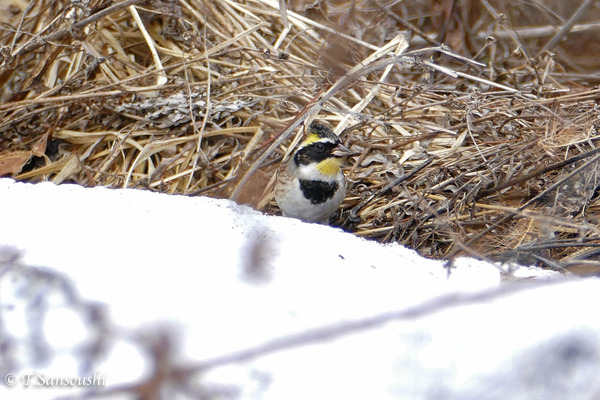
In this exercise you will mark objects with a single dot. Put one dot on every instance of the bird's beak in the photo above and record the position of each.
(341, 151)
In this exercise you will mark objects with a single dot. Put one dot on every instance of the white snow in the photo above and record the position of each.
(117, 273)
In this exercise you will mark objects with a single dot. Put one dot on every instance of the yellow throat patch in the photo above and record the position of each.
(330, 166)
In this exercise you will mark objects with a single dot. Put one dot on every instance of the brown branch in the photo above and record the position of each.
(536, 173)
(77, 26)
(568, 26)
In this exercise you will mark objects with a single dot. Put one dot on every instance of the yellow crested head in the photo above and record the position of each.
(330, 166)
(310, 139)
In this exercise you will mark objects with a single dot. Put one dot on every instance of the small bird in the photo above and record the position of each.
(310, 186)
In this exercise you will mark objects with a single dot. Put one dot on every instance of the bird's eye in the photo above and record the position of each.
(320, 147)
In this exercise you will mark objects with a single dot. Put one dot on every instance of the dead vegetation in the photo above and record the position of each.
(475, 135)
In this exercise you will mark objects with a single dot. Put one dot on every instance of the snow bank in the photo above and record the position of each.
(197, 295)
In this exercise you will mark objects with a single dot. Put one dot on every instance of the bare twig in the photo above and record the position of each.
(568, 26)
(77, 26)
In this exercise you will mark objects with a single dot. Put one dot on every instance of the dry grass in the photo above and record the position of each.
(491, 153)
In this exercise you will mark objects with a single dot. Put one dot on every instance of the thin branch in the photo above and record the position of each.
(567, 28)
(77, 26)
